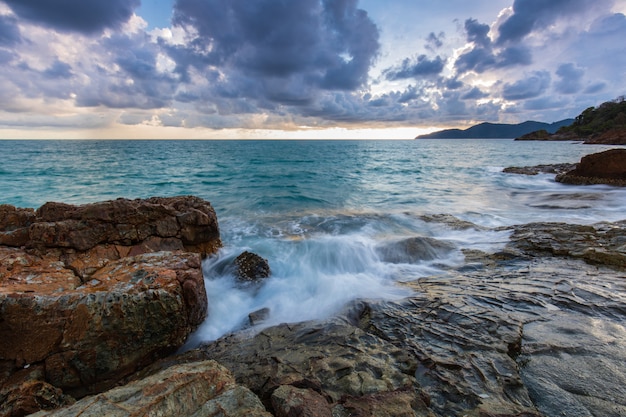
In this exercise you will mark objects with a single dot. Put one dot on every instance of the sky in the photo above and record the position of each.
(258, 69)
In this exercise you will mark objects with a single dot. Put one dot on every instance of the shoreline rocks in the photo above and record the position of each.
(608, 167)
(91, 294)
(533, 330)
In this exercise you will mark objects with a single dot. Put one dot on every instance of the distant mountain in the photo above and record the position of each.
(496, 130)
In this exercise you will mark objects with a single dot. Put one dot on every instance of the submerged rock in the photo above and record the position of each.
(541, 169)
(608, 167)
(415, 249)
(90, 294)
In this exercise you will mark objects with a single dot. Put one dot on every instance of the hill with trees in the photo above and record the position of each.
(605, 124)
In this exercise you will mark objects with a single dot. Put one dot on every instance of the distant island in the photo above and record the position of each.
(497, 130)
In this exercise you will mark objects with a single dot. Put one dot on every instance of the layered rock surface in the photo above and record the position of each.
(90, 294)
(532, 330)
(536, 329)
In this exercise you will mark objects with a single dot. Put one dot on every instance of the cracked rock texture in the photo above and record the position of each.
(90, 294)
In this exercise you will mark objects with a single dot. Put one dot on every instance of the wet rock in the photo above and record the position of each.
(524, 330)
(201, 389)
(334, 358)
(289, 401)
(608, 167)
(450, 221)
(541, 169)
(600, 244)
(573, 365)
(250, 267)
(258, 316)
(415, 249)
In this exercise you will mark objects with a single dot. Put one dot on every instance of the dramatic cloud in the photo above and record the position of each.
(58, 70)
(417, 68)
(484, 56)
(530, 87)
(434, 42)
(474, 94)
(277, 64)
(529, 15)
(290, 49)
(570, 79)
(9, 32)
(85, 16)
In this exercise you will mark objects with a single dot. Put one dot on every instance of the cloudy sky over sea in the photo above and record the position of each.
(301, 68)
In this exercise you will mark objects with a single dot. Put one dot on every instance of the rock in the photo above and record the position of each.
(608, 167)
(599, 244)
(92, 293)
(201, 389)
(615, 136)
(250, 267)
(31, 396)
(289, 401)
(541, 169)
(527, 331)
(333, 358)
(450, 221)
(413, 250)
(258, 316)
(130, 313)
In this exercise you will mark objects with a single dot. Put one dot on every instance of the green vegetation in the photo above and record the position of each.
(596, 120)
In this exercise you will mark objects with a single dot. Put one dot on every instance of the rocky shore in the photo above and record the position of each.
(534, 330)
(608, 167)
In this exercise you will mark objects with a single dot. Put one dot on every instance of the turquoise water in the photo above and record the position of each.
(319, 211)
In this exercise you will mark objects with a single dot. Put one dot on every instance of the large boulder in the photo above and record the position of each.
(201, 389)
(90, 294)
(608, 167)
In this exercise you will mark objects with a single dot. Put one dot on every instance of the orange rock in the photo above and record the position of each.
(91, 294)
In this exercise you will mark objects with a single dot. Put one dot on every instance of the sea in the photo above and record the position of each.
(323, 213)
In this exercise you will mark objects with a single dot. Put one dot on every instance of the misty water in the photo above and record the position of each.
(327, 215)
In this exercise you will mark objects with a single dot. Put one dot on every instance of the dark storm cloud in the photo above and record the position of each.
(434, 42)
(58, 70)
(417, 68)
(474, 94)
(291, 48)
(135, 83)
(570, 79)
(484, 56)
(529, 15)
(529, 87)
(84, 16)
(9, 32)
(595, 87)
(477, 32)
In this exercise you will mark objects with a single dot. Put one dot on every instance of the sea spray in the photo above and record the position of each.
(321, 262)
